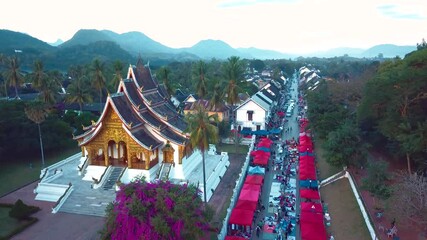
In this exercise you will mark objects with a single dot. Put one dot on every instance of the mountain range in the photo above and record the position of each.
(87, 44)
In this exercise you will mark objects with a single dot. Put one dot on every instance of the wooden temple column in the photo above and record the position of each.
(181, 153)
(148, 159)
(105, 151)
(129, 156)
(83, 151)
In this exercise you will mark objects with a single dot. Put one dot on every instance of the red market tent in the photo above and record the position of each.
(249, 195)
(235, 238)
(306, 158)
(246, 205)
(265, 139)
(252, 187)
(309, 194)
(311, 207)
(254, 179)
(261, 160)
(305, 138)
(260, 153)
(264, 144)
(305, 148)
(307, 173)
(312, 226)
(241, 217)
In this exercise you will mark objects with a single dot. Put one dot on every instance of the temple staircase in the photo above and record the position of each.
(113, 177)
(164, 171)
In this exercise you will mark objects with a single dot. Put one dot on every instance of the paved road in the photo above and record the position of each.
(268, 178)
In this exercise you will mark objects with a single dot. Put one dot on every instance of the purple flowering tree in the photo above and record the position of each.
(156, 210)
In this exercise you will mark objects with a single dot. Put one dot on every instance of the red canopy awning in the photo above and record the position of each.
(254, 179)
(241, 217)
(311, 207)
(252, 187)
(249, 195)
(264, 144)
(260, 153)
(246, 205)
(261, 160)
(306, 158)
(235, 238)
(312, 226)
(305, 148)
(307, 172)
(309, 194)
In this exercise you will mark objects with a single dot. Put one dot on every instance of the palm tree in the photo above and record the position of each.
(118, 69)
(78, 92)
(36, 112)
(164, 74)
(202, 132)
(98, 79)
(3, 64)
(38, 76)
(13, 75)
(199, 73)
(216, 99)
(234, 74)
(47, 86)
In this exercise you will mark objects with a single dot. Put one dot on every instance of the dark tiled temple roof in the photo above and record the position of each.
(162, 90)
(165, 111)
(172, 136)
(267, 94)
(143, 77)
(179, 123)
(142, 136)
(150, 119)
(153, 98)
(124, 110)
(133, 94)
(274, 89)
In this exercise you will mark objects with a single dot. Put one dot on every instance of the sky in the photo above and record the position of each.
(288, 26)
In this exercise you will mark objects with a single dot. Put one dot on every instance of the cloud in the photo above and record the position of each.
(241, 3)
(402, 12)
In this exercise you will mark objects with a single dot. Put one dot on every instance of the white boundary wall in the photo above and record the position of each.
(236, 191)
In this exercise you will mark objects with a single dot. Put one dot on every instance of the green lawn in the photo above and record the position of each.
(346, 219)
(18, 173)
(231, 148)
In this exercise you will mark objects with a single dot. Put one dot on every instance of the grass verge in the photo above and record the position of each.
(346, 219)
(17, 173)
(231, 148)
(325, 170)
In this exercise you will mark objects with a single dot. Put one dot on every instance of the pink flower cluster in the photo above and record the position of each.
(156, 210)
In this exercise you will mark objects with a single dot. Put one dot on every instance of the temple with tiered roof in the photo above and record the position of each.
(138, 128)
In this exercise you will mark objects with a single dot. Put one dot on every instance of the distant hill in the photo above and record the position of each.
(11, 41)
(86, 36)
(388, 50)
(208, 49)
(264, 54)
(106, 51)
(138, 43)
(336, 52)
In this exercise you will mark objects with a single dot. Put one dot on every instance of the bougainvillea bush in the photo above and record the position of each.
(156, 210)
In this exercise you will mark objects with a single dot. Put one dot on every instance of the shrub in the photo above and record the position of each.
(22, 211)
